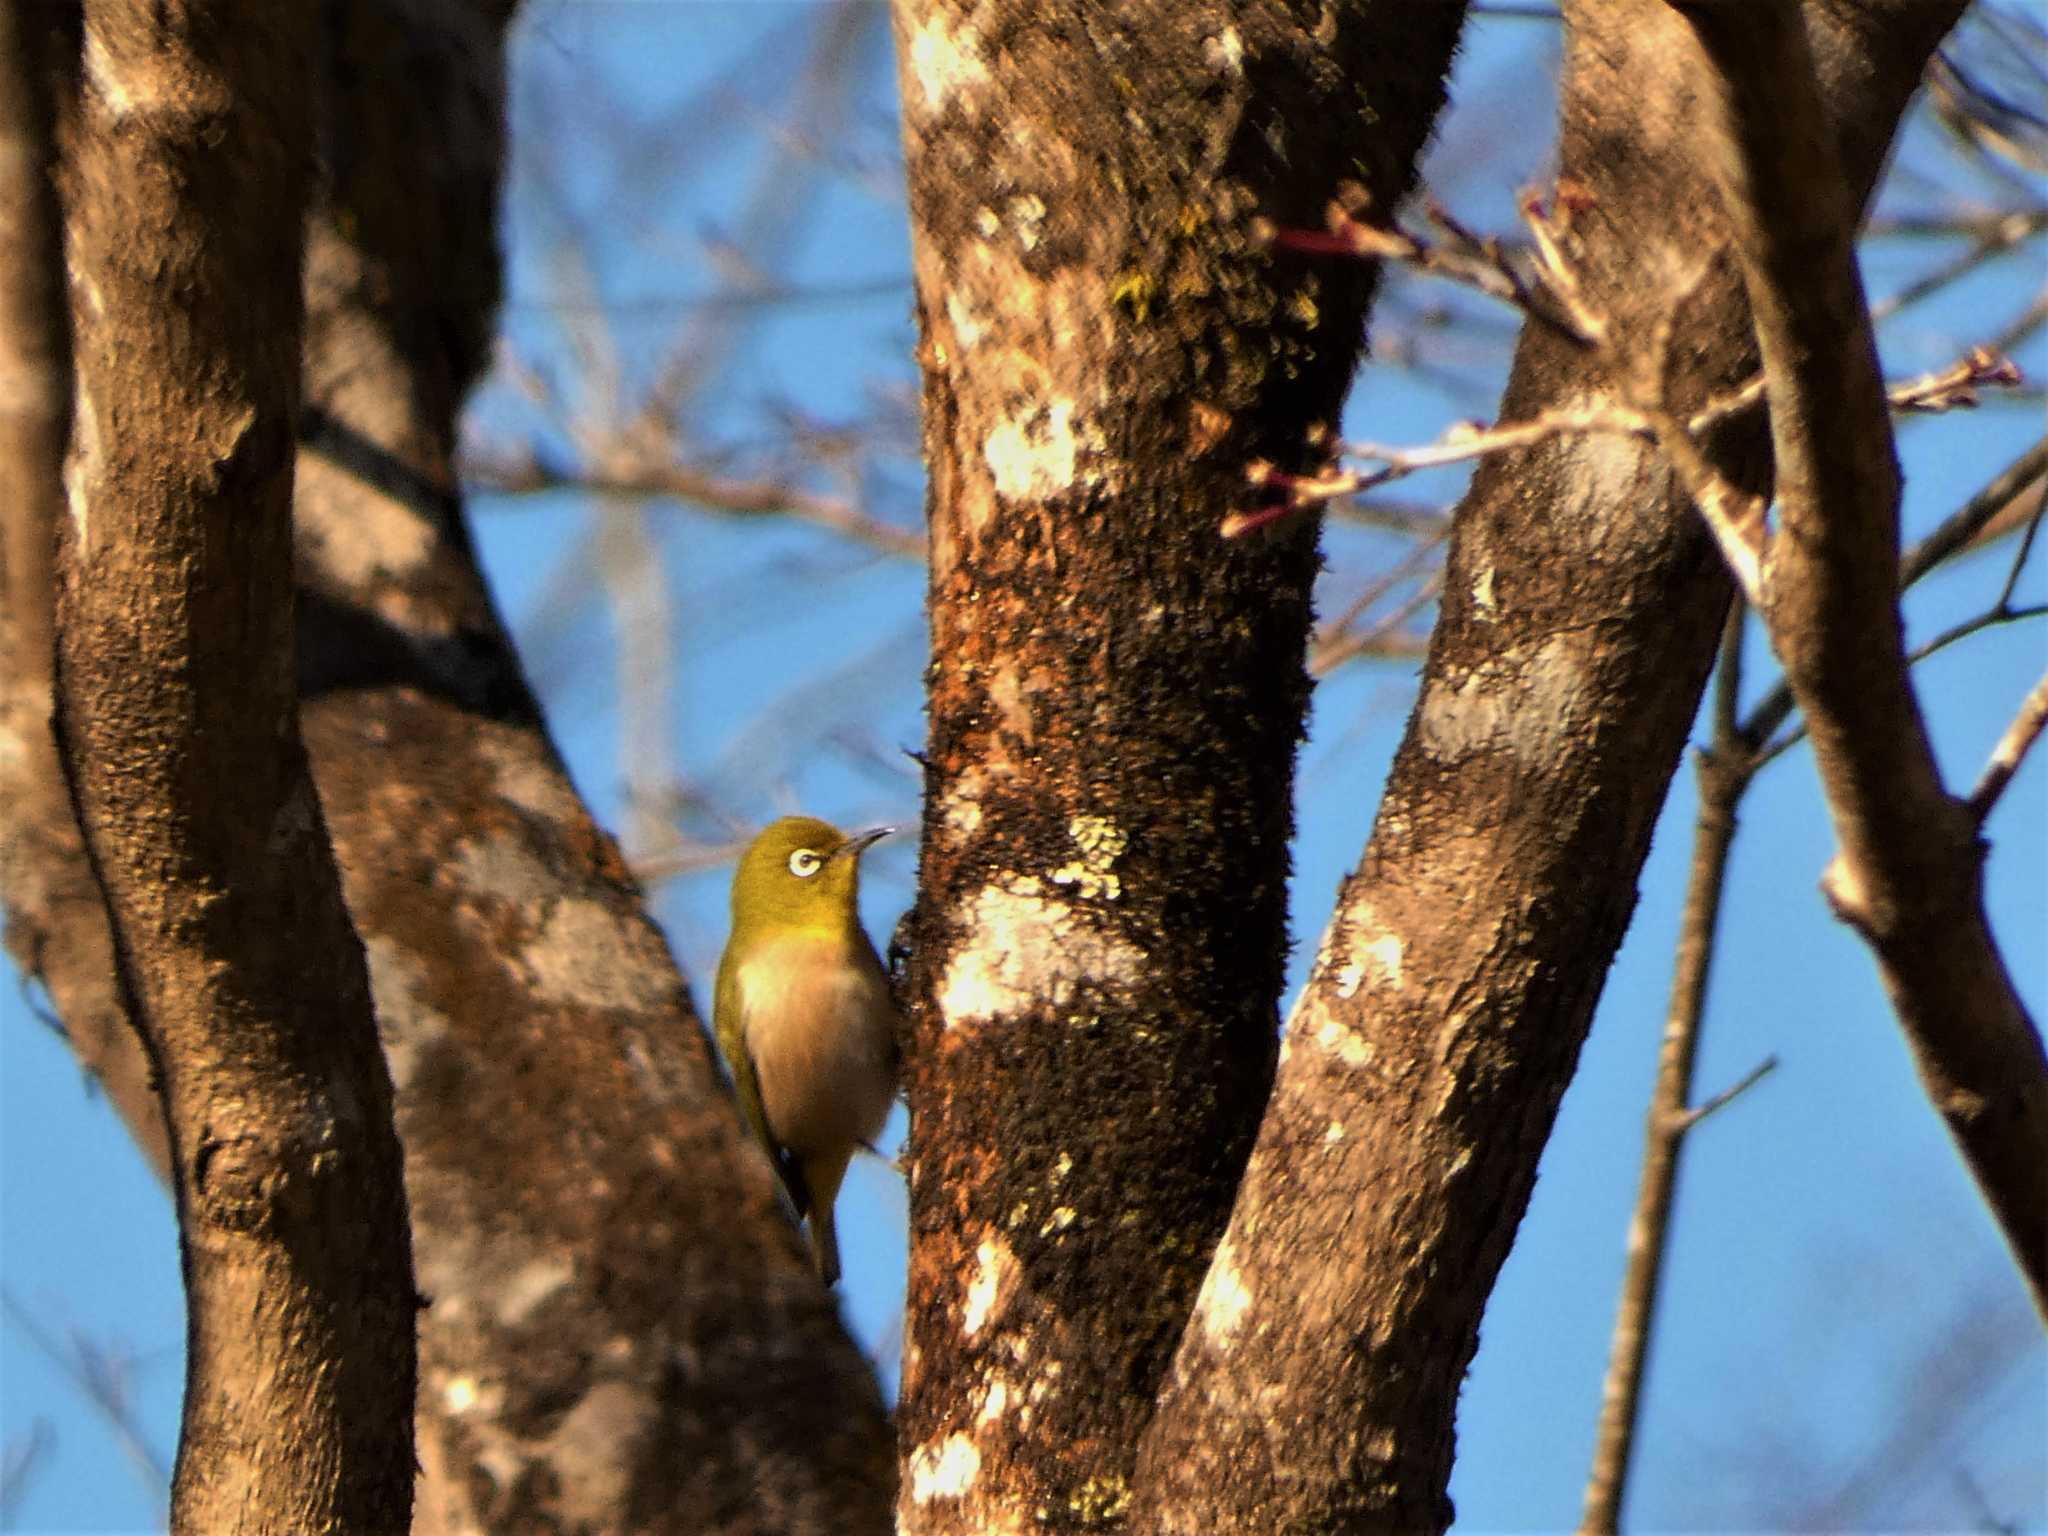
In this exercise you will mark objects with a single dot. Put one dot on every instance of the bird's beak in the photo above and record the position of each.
(861, 842)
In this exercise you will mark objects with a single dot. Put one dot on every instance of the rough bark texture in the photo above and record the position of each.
(623, 1332)
(1909, 876)
(1316, 1384)
(1116, 692)
(177, 726)
(35, 343)
(56, 925)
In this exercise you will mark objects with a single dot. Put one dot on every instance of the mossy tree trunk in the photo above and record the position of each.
(1116, 691)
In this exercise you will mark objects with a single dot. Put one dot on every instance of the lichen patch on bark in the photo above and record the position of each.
(993, 1262)
(584, 956)
(1023, 949)
(946, 61)
(946, 1470)
(83, 467)
(1475, 713)
(363, 535)
(1225, 1301)
(1037, 452)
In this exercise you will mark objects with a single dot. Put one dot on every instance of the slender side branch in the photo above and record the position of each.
(1961, 529)
(630, 475)
(1908, 873)
(1545, 288)
(2018, 739)
(1725, 771)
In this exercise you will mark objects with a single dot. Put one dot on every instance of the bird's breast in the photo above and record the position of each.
(819, 1024)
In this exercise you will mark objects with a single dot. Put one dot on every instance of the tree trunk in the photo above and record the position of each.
(1116, 691)
(623, 1332)
(1445, 1012)
(178, 729)
(56, 924)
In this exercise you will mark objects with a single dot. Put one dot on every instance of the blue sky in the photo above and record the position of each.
(1843, 1342)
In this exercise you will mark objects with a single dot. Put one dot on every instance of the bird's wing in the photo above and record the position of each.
(729, 1019)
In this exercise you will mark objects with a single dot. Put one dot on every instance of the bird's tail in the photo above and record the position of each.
(825, 1244)
(821, 1177)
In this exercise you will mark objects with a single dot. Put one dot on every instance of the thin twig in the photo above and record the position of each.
(1732, 1092)
(1957, 532)
(102, 1376)
(1725, 770)
(628, 475)
(1994, 240)
(18, 1464)
(1991, 618)
(1541, 283)
(2021, 735)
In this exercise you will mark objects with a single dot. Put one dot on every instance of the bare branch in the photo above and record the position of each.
(1973, 519)
(1724, 773)
(1977, 623)
(623, 472)
(2018, 739)
(1962, 529)
(18, 1463)
(1999, 236)
(1732, 1092)
(1906, 876)
(179, 732)
(102, 1374)
(1542, 284)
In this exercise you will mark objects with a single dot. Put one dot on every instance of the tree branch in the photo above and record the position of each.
(2014, 745)
(1444, 1014)
(35, 349)
(1725, 770)
(624, 473)
(178, 729)
(1907, 874)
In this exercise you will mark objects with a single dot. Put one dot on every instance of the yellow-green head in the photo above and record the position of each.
(800, 873)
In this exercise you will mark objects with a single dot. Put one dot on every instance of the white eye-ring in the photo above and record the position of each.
(804, 863)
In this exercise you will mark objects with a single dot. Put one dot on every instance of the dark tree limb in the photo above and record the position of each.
(1908, 872)
(1316, 1384)
(2011, 751)
(177, 724)
(1116, 692)
(35, 345)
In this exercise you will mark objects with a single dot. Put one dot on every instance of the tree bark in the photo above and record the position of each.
(177, 726)
(56, 925)
(35, 345)
(623, 1334)
(1116, 691)
(1316, 1384)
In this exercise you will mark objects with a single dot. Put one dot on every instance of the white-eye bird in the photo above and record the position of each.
(804, 1014)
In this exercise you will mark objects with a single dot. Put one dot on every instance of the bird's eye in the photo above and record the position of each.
(804, 863)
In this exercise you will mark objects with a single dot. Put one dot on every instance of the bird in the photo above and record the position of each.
(804, 1013)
